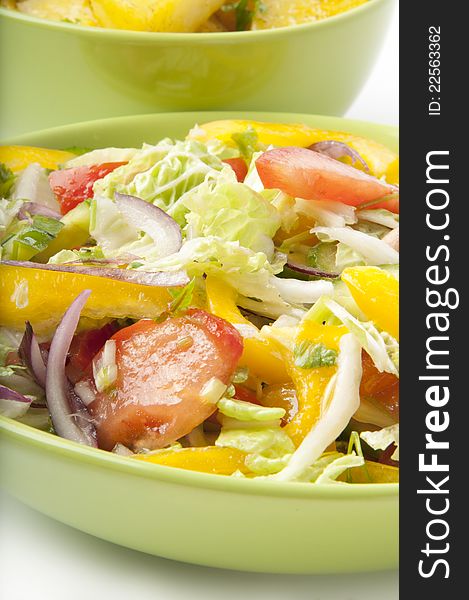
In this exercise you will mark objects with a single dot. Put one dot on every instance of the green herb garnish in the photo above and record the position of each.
(310, 355)
(182, 299)
(7, 179)
(246, 142)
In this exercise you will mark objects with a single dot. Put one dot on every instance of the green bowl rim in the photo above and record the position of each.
(174, 475)
(195, 115)
(100, 458)
(148, 36)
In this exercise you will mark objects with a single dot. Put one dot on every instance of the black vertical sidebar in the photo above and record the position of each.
(434, 151)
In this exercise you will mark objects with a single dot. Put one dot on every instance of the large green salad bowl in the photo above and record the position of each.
(56, 73)
(229, 522)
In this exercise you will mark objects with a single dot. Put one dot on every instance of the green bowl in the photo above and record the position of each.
(58, 73)
(252, 525)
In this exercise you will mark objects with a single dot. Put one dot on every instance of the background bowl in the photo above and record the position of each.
(251, 525)
(56, 73)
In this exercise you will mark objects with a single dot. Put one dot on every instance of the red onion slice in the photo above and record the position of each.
(152, 220)
(34, 208)
(67, 412)
(13, 404)
(338, 150)
(31, 355)
(158, 279)
(311, 270)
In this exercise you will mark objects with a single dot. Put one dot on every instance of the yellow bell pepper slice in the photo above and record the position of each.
(377, 294)
(371, 472)
(18, 158)
(155, 15)
(209, 459)
(310, 384)
(261, 356)
(381, 160)
(42, 297)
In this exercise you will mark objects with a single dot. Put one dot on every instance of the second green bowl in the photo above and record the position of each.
(57, 73)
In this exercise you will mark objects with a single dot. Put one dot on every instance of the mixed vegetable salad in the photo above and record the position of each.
(184, 15)
(225, 303)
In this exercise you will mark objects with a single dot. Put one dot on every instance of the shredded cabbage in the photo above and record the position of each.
(373, 250)
(382, 439)
(161, 174)
(344, 394)
(234, 213)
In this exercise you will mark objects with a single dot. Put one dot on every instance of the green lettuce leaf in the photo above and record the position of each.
(26, 238)
(247, 411)
(310, 355)
(161, 174)
(373, 250)
(232, 211)
(329, 467)
(347, 257)
(250, 273)
(8, 211)
(381, 346)
(7, 179)
(268, 449)
(382, 439)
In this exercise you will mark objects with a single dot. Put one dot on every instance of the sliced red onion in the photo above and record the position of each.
(13, 404)
(310, 270)
(34, 208)
(158, 279)
(68, 413)
(146, 217)
(31, 355)
(338, 150)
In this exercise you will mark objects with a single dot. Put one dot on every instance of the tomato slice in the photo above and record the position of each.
(381, 387)
(162, 370)
(303, 173)
(85, 345)
(245, 394)
(72, 186)
(239, 166)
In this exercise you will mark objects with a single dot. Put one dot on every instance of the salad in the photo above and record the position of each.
(182, 15)
(224, 303)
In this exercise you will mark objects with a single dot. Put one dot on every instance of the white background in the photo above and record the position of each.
(41, 559)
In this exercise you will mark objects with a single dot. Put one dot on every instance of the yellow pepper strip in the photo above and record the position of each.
(380, 159)
(210, 459)
(371, 472)
(310, 384)
(42, 297)
(377, 294)
(261, 356)
(18, 158)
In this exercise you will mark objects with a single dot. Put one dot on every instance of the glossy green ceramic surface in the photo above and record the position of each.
(57, 73)
(254, 525)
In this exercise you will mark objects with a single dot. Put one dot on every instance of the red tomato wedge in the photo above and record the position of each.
(72, 186)
(303, 173)
(84, 347)
(245, 394)
(239, 166)
(381, 387)
(162, 369)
